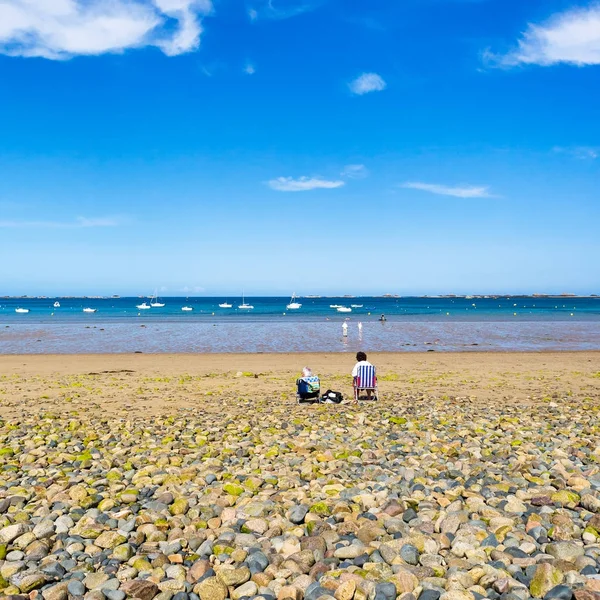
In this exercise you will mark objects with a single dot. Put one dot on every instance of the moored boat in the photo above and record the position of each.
(293, 305)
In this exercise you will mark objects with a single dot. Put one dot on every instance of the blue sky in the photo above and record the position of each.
(316, 146)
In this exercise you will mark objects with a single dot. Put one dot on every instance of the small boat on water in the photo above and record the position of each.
(344, 309)
(293, 305)
(57, 304)
(21, 310)
(225, 305)
(187, 308)
(90, 310)
(143, 306)
(154, 303)
(357, 305)
(334, 305)
(245, 306)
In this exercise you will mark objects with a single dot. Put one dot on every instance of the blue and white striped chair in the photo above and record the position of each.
(366, 381)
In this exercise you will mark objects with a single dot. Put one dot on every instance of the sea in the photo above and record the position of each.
(411, 324)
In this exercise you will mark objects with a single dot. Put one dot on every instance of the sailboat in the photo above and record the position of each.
(143, 306)
(21, 310)
(245, 306)
(57, 304)
(225, 305)
(293, 305)
(154, 303)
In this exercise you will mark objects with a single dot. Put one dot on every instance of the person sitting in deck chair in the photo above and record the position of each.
(309, 387)
(364, 378)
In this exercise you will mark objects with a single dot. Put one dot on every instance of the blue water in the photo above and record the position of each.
(313, 309)
(412, 325)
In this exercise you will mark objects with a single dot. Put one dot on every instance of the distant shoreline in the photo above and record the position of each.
(313, 297)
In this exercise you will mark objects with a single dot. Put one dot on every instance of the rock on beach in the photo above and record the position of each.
(413, 498)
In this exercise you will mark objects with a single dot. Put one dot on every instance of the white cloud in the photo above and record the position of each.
(571, 37)
(61, 29)
(367, 82)
(249, 69)
(78, 223)
(355, 172)
(280, 9)
(96, 222)
(302, 184)
(579, 152)
(465, 191)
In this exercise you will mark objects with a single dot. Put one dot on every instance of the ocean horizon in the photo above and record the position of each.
(472, 308)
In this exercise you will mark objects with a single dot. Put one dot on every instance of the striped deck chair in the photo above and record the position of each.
(309, 389)
(366, 380)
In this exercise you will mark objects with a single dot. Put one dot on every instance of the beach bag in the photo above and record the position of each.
(331, 397)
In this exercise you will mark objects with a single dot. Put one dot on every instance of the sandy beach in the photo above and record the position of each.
(197, 477)
(159, 384)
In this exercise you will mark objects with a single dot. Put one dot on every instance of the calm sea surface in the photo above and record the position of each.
(413, 324)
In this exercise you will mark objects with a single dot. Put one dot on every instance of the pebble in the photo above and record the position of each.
(76, 588)
(427, 499)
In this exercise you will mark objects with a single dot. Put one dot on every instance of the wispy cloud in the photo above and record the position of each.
(280, 9)
(303, 184)
(367, 82)
(463, 191)
(61, 29)
(570, 37)
(78, 223)
(355, 172)
(249, 69)
(579, 152)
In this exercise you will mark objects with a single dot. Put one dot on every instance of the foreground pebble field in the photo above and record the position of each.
(416, 497)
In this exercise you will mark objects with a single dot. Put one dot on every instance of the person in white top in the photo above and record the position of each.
(362, 361)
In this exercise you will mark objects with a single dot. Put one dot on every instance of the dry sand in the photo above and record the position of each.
(159, 384)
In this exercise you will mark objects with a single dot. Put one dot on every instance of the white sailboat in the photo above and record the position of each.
(245, 306)
(187, 308)
(143, 306)
(154, 303)
(57, 304)
(293, 305)
(21, 310)
(225, 305)
(90, 310)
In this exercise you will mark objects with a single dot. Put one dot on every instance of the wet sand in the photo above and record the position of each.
(247, 337)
